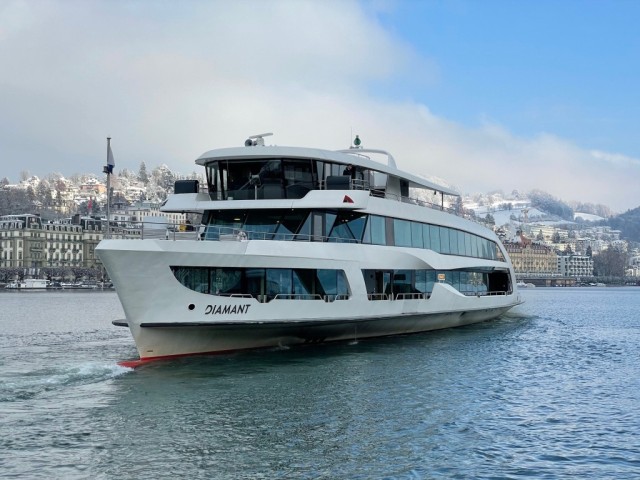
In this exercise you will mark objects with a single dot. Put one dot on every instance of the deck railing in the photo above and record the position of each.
(167, 231)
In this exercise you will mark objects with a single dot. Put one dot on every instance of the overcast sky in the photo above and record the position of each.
(486, 95)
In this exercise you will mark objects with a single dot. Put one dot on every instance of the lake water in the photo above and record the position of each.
(551, 390)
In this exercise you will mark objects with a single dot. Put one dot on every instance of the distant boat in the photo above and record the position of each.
(28, 284)
(87, 285)
(78, 286)
(525, 285)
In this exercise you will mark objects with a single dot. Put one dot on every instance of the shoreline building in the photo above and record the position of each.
(532, 259)
(26, 241)
(575, 265)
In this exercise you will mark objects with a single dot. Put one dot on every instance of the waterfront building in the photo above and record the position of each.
(531, 258)
(64, 246)
(92, 233)
(28, 242)
(22, 241)
(575, 265)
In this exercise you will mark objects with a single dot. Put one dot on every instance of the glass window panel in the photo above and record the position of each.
(304, 232)
(468, 238)
(224, 222)
(246, 179)
(416, 235)
(297, 171)
(329, 220)
(435, 238)
(453, 241)
(226, 280)
(328, 281)
(444, 240)
(402, 232)
(181, 274)
(378, 236)
(279, 282)
(366, 236)
(426, 239)
(402, 281)
(261, 225)
(421, 281)
(485, 248)
(356, 224)
(198, 280)
(303, 281)
(289, 225)
(493, 251)
(455, 280)
(461, 248)
(342, 286)
(448, 277)
(474, 246)
(254, 278)
(464, 282)
(348, 226)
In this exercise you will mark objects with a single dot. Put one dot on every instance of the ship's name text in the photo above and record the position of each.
(226, 309)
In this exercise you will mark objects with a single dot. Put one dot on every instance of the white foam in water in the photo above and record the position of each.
(86, 373)
(102, 370)
(39, 381)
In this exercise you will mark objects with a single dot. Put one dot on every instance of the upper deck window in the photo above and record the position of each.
(261, 178)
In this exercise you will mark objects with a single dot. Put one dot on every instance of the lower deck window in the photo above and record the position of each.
(266, 284)
(418, 284)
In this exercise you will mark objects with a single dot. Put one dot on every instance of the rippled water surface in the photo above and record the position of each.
(551, 390)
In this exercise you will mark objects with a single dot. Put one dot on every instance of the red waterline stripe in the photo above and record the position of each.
(134, 363)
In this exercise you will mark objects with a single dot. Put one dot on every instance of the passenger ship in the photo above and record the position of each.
(301, 245)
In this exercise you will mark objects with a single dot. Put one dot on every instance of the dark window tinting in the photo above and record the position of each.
(265, 284)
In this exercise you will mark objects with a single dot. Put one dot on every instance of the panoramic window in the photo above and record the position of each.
(419, 284)
(346, 226)
(266, 284)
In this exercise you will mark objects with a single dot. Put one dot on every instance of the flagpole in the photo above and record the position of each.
(108, 170)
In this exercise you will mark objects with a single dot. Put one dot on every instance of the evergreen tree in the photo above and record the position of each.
(43, 192)
(143, 176)
(31, 195)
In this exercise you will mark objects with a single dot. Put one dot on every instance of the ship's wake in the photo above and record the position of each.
(25, 385)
